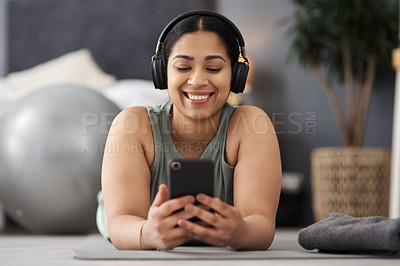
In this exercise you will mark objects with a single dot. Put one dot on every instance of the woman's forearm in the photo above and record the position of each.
(125, 231)
(260, 233)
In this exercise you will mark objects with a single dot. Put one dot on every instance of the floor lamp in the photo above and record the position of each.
(394, 204)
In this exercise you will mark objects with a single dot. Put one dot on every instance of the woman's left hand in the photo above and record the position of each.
(227, 226)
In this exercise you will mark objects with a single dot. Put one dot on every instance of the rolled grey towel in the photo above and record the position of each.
(346, 234)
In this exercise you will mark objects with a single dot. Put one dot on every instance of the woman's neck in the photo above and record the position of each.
(191, 136)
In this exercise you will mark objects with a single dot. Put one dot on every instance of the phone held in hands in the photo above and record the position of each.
(191, 177)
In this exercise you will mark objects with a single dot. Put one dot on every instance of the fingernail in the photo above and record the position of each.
(182, 223)
(191, 199)
(200, 197)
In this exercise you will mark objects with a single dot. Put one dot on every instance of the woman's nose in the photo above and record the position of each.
(198, 78)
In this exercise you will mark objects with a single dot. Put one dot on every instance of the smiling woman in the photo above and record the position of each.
(197, 60)
(198, 71)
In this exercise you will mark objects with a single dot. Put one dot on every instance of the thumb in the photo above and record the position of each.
(161, 196)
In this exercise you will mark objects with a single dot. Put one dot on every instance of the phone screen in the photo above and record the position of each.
(191, 177)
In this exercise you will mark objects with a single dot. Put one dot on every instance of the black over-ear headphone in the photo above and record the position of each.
(158, 64)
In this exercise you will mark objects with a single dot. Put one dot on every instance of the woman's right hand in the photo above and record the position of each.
(160, 231)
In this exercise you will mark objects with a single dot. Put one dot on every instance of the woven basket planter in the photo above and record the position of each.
(353, 181)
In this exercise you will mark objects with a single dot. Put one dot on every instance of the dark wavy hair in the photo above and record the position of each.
(203, 23)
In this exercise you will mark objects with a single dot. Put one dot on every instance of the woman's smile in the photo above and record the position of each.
(198, 97)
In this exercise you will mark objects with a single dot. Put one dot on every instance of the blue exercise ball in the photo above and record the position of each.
(51, 149)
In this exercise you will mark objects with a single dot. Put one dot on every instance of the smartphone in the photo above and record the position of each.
(191, 177)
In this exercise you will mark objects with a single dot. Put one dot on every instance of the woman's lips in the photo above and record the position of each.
(198, 97)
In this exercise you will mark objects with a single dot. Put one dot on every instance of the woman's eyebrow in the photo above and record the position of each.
(211, 57)
(184, 57)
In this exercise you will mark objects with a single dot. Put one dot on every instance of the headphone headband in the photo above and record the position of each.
(208, 13)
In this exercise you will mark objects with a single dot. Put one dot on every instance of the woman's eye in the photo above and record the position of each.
(213, 70)
(183, 68)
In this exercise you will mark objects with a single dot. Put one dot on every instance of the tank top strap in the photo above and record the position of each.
(217, 144)
(163, 146)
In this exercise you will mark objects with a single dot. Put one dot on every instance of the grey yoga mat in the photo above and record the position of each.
(96, 248)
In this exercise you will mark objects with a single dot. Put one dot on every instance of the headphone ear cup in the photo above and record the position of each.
(158, 73)
(239, 76)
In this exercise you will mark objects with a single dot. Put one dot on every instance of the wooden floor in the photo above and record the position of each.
(18, 248)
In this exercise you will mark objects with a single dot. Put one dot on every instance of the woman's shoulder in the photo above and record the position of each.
(246, 125)
(132, 121)
(134, 110)
(248, 119)
(249, 110)
(134, 114)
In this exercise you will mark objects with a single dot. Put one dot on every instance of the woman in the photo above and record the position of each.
(199, 52)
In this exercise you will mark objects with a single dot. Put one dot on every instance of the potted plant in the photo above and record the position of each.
(349, 41)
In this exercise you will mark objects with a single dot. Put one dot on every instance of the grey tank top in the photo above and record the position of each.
(165, 151)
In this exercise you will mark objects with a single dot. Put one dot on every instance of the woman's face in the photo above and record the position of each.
(199, 75)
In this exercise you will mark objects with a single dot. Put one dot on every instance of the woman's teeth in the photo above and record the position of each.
(198, 97)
